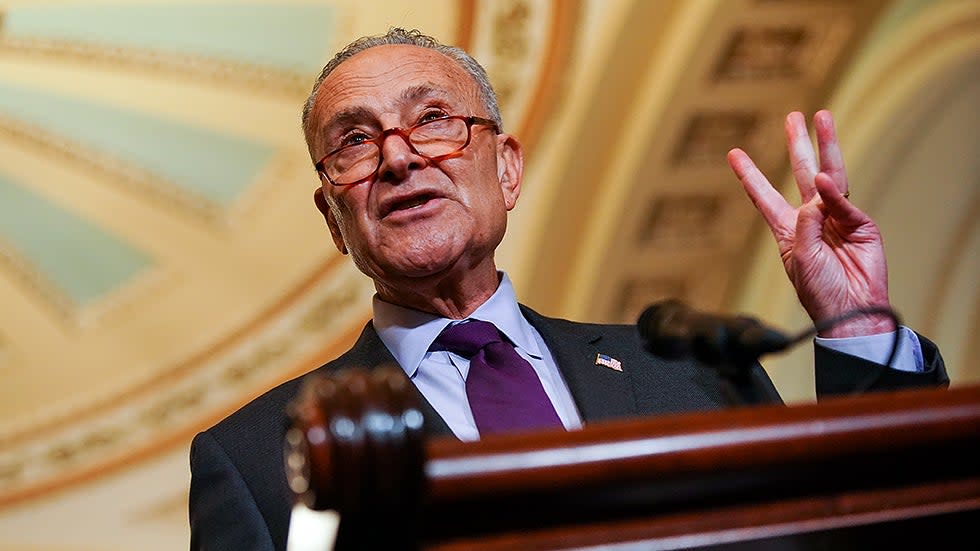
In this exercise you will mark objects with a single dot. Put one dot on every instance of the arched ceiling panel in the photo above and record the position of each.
(84, 261)
(164, 261)
(281, 36)
(213, 166)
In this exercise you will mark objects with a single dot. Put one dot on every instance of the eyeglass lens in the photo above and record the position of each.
(430, 139)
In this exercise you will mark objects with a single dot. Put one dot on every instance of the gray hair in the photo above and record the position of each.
(396, 35)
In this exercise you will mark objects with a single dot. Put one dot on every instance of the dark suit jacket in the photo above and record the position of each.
(239, 499)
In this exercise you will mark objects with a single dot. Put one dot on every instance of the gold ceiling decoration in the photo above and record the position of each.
(238, 287)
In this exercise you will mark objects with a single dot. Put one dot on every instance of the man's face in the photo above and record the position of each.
(415, 218)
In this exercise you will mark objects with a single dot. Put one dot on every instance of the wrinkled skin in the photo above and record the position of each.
(425, 232)
(831, 250)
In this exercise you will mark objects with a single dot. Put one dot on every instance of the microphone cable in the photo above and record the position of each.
(825, 324)
(671, 328)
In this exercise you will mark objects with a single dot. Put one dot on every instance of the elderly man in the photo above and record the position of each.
(417, 178)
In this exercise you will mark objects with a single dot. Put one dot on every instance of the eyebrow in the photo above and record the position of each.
(347, 117)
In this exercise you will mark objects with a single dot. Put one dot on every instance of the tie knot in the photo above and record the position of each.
(468, 338)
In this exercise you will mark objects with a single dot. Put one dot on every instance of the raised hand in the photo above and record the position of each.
(831, 250)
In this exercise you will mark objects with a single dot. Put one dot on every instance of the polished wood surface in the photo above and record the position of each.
(841, 474)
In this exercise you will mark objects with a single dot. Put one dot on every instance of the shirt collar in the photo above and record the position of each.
(409, 333)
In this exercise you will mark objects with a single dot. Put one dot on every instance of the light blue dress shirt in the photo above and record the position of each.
(876, 348)
(441, 375)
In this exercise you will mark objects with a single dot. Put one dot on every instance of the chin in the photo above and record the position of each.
(424, 268)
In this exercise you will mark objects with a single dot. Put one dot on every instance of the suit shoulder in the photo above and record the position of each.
(259, 416)
(267, 412)
(591, 331)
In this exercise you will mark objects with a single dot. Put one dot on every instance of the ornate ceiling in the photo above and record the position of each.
(161, 258)
(161, 261)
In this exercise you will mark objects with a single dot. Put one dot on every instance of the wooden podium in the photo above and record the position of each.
(889, 471)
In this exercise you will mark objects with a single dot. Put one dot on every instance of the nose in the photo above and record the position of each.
(398, 157)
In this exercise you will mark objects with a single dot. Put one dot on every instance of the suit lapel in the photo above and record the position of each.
(599, 392)
(370, 352)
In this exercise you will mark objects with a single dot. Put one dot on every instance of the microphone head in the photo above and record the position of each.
(671, 329)
(659, 327)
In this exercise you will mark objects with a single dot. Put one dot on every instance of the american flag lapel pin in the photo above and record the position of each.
(608, 361)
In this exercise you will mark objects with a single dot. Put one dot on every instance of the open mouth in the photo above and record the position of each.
(409, 203)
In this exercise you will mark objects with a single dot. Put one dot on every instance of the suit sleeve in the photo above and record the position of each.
(223, 513)
(838, 373)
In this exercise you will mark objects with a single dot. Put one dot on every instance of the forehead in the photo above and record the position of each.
(383, 79)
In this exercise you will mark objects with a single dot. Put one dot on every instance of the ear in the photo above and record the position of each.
(510, 168)
(324, 207)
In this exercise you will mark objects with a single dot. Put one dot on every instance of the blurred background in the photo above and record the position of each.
(161, 260)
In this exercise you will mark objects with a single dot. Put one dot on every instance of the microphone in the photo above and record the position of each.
(673, 330)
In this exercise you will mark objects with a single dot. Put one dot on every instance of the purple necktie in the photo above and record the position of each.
(505, 393)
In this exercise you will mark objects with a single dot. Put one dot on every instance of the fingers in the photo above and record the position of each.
(769, 202)
(801, 154)
(831, 160)
(838, 207)
(828, 181)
